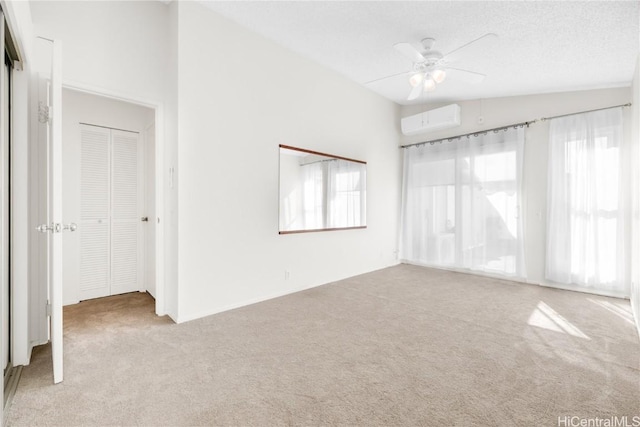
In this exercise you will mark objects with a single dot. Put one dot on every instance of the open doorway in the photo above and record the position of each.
(108, 159)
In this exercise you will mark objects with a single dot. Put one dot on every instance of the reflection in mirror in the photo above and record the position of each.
(320, 192)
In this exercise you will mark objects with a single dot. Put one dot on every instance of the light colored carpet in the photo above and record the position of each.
(401, 346)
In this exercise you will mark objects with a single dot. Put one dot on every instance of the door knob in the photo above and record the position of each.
(43, 228)
(144, 219)
(57, 227)
(72, 226)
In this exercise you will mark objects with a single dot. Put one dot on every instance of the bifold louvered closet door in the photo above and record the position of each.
(110, 210)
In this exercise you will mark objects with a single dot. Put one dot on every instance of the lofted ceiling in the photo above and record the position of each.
(542, 46)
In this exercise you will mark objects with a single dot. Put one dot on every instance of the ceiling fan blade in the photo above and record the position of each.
(387, 77)
(478, 44)
(415, 92)
(465, 75)
(409, 51)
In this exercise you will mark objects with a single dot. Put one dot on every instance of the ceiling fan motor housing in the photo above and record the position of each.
(428, 43)
(432, 57)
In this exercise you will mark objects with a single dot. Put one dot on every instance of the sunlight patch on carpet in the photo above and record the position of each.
(547, 318)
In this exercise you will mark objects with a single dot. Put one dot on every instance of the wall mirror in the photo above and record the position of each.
(320, 192)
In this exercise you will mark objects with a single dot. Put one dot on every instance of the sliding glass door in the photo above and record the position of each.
(5, 203)
(461, 203)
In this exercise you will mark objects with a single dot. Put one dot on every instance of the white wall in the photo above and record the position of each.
(79, 108)
(635, 179)
(498, 112)
(115, 46)
(126, 50)
(18, 16)
(170, 155)
(234, 110)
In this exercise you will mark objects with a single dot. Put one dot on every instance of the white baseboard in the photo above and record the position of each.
(190, 317)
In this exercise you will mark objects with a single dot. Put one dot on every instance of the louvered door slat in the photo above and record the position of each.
(125, 220)
(94, 259)
(94, 172)
(124, 270)
(125, 175)
(94, 212)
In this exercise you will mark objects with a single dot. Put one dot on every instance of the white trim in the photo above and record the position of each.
(161, 213)
(142, 208)
(158, 107)
(151, 226)
(20, 152)
(251, 301)
(201, 314)
(106, 93)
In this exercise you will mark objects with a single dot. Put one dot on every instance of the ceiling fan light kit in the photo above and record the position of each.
(416, 79)
(429, 84)
(439, 75)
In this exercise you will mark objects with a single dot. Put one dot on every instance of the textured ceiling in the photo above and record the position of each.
(541, 46)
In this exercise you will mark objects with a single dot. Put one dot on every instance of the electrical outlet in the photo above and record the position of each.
(287, 275)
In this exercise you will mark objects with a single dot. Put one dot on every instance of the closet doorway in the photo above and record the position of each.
(108, 153)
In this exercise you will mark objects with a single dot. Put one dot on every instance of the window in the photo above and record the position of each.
(586, 236)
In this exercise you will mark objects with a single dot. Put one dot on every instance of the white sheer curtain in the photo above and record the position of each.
(586, 235)
(346, 202)
(461, 204)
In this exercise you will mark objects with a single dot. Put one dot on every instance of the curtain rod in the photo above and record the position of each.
(628, 104)
(516, 125)
(482, 132)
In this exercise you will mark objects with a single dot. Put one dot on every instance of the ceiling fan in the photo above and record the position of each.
(431, 67)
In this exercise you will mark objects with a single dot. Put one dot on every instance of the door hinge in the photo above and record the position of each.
(48, 309)
(44, 113)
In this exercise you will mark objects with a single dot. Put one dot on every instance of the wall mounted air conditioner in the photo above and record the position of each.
(432, 120)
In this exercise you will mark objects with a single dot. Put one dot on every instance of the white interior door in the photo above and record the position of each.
(126, 226)
(95, 200)
(55, 208)
(111, 193)
(50, 117)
